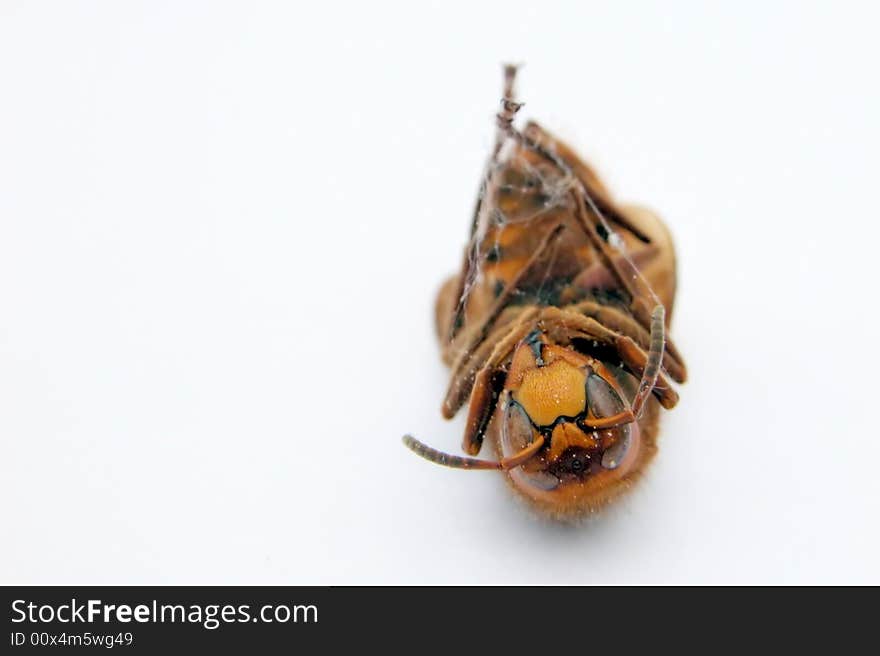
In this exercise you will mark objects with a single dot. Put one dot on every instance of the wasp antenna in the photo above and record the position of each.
(458, 462)
(620, 419)
(446, 459)
(655, 356)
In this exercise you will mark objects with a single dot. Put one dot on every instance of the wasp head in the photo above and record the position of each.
(575, 403)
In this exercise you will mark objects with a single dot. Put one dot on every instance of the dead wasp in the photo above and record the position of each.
(555, 327)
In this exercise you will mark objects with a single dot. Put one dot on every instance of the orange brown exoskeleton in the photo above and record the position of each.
(555, 327)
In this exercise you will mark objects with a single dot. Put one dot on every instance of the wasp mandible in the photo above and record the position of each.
(555, 327)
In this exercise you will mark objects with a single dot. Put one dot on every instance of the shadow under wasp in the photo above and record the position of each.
(555, 327)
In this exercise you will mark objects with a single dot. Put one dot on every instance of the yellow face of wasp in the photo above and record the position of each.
(553, 391)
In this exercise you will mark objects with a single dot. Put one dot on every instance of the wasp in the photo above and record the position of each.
(555, 328)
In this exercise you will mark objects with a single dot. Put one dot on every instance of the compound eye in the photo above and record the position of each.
(603, 400)
(516, 431)
(516, 434)
(612, 458)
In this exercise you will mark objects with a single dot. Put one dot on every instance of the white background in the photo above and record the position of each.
(221, 231)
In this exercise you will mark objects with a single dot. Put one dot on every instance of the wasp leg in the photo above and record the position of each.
(455, 319)
(603, 248)
(565, 324)
(640, 298)
(484, 398)
(582, 197)
(467, 341)
(489, 354)
(585, 175)
(620, 322)
(487, 389)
